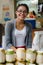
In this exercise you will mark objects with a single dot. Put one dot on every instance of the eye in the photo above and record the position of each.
(20, 11)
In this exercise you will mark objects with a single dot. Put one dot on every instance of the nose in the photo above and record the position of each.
(22, 12)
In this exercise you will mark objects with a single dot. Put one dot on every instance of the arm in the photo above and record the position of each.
(29, 36)
(8, 36)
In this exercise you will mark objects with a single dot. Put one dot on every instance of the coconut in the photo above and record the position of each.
(10, 55)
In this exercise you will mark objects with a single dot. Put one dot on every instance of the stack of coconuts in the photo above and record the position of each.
(21, 57)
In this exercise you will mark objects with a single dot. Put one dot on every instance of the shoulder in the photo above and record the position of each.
(10, 23)
(28, 24)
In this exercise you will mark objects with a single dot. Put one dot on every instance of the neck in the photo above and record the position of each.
(19, 21)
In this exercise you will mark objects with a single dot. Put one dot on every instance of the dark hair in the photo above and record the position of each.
(24, 6)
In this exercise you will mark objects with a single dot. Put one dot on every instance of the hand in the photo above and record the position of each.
(12, 47)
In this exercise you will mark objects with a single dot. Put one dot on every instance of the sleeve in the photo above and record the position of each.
(29, 37)
(8, 36)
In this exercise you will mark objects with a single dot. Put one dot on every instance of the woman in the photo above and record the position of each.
(18, 33)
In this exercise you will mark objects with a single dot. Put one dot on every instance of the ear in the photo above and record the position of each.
(16, 12)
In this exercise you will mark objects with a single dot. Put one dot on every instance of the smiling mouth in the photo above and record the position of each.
(23, 16)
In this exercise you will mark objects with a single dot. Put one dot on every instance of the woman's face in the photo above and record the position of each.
(21, 12)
